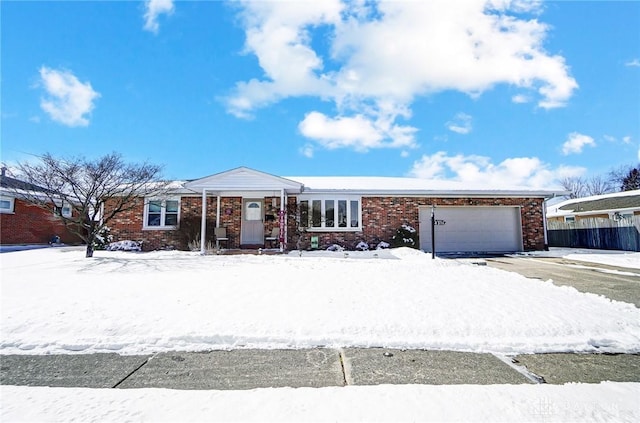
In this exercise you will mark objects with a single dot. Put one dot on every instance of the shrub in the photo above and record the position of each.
(405, 236)
(382, 245)
(126, 245)
(103, 239)
(362, 246)
(188, 231)
(335, 247)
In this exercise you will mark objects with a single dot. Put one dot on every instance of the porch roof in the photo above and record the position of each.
(244, 179)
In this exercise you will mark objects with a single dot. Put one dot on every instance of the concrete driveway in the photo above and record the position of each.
(615, 283)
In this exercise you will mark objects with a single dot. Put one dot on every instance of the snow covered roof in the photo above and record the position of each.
(617, 201)
(377, 185)
(243, 179)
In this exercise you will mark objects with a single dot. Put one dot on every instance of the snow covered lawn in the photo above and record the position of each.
(56, 301)
(614, 402)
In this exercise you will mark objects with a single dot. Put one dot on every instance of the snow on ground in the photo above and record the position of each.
(56, 301)
(615, 402)
(618, 258)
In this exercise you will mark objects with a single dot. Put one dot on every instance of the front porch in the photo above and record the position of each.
(249, 206)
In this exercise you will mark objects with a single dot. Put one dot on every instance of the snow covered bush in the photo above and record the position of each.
(362, 246)
(335, 247)
(382, 245)
(405, 236)
(126, 245)
(103, 239)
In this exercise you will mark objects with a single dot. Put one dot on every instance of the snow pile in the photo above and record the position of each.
(56, 301)
(382, 245)
(125, 245)
(335, 247)
(362, 246)
(615, 402)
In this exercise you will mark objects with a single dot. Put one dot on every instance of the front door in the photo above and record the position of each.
(252, 230)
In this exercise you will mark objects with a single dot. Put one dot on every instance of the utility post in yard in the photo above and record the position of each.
(434, 222)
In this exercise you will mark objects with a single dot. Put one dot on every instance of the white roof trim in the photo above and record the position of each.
(243, 179)
(393, 186)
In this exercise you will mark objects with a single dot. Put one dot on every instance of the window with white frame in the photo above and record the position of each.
(569, 219)
(6, 204)
(331, 213)
(161, 213)
(64, 210)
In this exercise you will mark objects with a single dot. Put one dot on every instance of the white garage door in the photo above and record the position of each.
(472, 229)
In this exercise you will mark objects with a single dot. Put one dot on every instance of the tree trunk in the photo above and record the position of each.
(89, 252)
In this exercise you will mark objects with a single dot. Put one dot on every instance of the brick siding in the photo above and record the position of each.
(381, 217)
(30, 224)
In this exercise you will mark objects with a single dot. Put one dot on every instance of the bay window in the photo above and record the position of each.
(330, 213)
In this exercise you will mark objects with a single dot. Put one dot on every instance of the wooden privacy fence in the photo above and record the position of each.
(604, 234)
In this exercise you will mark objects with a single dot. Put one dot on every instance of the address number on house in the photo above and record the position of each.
(439, 222)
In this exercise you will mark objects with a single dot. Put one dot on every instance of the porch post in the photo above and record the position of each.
(218, 219)
(203, 223)
(283, 221)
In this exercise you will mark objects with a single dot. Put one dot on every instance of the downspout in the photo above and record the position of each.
(218, 219)
(203, 223)
(544, 223)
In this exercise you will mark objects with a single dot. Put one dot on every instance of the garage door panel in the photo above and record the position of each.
(473, 229)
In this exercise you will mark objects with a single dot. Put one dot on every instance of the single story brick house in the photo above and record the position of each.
(249, 204)
(22, 222)
(614, 206)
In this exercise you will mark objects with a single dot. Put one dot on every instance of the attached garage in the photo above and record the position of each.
(475, 229)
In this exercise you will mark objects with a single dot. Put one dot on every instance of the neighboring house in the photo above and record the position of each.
(615, 206)
(22, 222)
(608, 222)
(343, 210)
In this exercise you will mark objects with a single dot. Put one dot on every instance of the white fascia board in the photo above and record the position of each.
(243, 179)
(434, 193)
(597, 197)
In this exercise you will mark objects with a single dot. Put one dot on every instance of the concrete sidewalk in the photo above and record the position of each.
(249, 369)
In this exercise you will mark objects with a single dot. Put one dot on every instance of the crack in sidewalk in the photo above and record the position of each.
(132, 372)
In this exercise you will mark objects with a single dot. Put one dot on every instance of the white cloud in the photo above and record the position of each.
(624, 140)
(153, 9)
(477, 171)
(383, 55)
(68, 100)
(520, 99)
(576, 142)
(358, 132)
(460, 124)
(633, 63)
(307, 151)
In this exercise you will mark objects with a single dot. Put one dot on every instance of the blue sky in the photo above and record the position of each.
(497, 91)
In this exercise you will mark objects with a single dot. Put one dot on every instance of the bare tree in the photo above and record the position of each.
(575, 185)
(626, 178)
(85, 185)
(598, 185)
